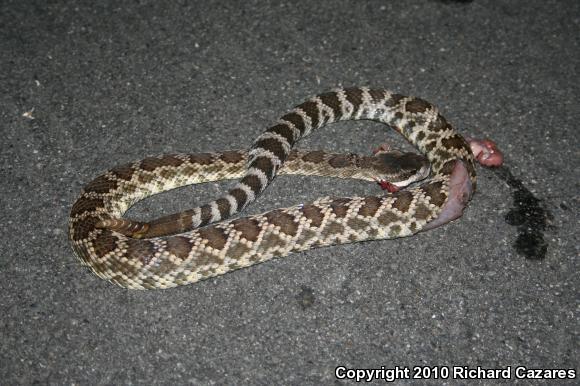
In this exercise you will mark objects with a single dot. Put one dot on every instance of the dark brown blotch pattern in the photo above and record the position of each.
(236, 252)
(205, 214)
(223, 206)
(354, 96)
(435, 193)
(179, 246)
(284, 131)
(140, 250)
(447, 168)
(394, 100)
(152, 163)
(455, 142)
(370, 206)
(83, 228)
(357, 224)
(145, 178)
(311, 110)
(314, 214)
(248, 227)
(395, 230)
(387, 218)
(231, 157)
(83, 205)
(285, 221)
(264, 164)
(215, 237)
(438, 124)
(417, 105)
(104, 243)
(296, 120)
(272, 145)
(332, 229)
(101, 184)
(331, 100)
(443, 154)
(315, 156)
(205, 259)
(124, 172)
(403, 201)
(169, 173)
(171, 160)
(340, 207)
(269, 240)
(240, 197)
(422, 212)
(201, 158)
(253, 183)
(430, 146)
(377, 95)
(340, 160)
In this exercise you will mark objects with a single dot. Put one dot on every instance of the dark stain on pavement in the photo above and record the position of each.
(528, 215)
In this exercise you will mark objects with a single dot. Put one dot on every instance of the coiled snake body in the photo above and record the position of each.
(151, 255)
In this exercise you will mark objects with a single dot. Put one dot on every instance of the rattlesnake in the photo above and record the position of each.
(196, 244)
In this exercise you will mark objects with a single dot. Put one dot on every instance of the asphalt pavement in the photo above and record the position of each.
(86, 86)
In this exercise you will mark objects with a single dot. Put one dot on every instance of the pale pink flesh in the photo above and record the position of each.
(485, 152)
(460, 190)
(460, 187)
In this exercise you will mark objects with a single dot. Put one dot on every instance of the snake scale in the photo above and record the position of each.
(197, 244)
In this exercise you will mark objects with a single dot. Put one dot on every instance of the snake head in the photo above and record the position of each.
(396, 170)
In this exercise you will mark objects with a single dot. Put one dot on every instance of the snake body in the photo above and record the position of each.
(197, 244)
